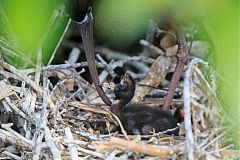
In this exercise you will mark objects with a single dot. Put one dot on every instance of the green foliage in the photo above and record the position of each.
(28, 20)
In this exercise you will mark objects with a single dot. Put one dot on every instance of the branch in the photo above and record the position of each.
(51, 145)
(158, 151)
(10, 138)
(17, 135)
(72, 148)
(10, 155)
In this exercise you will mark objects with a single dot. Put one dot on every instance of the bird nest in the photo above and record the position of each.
(54, 112)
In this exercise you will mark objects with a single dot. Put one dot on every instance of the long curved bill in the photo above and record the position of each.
(86, 30)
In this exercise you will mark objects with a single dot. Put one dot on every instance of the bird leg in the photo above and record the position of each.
(182, 57)
(86, 30)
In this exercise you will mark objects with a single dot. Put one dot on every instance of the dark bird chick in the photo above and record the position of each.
(141, 119)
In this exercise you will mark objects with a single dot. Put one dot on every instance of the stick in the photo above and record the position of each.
(187, 114)
(151, 47)
(51, 145)
(8, 137)
(16, 109)
(38, 146)
(89, 152)
(43, 124)
(13, 156)
(17, 135)
(161, 152)
(72, 148)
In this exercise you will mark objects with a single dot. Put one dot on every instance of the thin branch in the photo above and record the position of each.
(190, 144)
(51, 145)
(38, 146)
(89, 152)
(152, 47)
(158, 151)
(16, 134)
(6, 136)
(12, 156)
(16, 109)
(72, 148)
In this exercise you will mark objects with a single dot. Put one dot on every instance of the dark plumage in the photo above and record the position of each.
(140, 119)
(77, 9)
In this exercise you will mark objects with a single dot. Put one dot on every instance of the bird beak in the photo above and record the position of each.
(86, 30)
